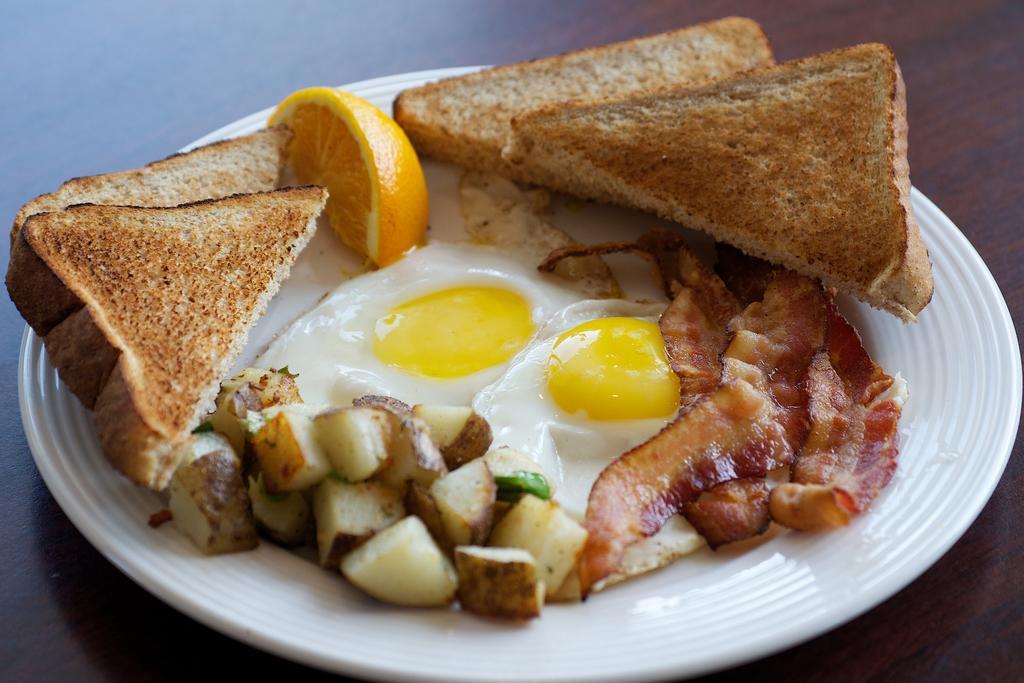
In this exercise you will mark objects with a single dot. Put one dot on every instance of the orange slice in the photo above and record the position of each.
(378, 198)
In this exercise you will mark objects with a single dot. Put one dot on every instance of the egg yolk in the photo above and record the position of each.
(613, 369)
(453, 332)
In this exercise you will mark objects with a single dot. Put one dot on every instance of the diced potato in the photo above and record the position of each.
(286, 451)
(209, 503)
(505, 462)
(465, 500)
(460, 433)
(357, 441)
(251, 389)
(403, 566)
(282, 517)
(553, 538)
(498, 582)
(570, 590)
(414, 457)
(348, 514)
(206, 442)
(419, 502)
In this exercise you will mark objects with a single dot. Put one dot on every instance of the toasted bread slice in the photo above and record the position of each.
(165, 299)
(251, 163)
(804, 164)
(465, 120)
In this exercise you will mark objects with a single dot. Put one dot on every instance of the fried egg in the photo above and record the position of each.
(435, 327)
(594, 383)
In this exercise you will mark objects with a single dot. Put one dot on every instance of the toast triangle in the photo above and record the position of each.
(465, 120)
(804, 164)
(165, 298)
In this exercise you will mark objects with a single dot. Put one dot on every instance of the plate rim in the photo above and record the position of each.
(783, 639)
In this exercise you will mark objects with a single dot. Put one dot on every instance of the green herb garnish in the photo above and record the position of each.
(337, 477)
(512, 487)
(203, 428)
(287, 373)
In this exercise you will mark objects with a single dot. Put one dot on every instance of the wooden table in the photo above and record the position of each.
(101, 86)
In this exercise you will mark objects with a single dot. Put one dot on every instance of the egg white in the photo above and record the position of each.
(331, 347)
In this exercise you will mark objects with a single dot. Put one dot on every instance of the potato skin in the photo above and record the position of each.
(251, 389)
(347, 515)
(460, 433)
(541, 527)
(288, 454)
(414, 457)
(419, 502)
(213, 482)
(287, 522)
(465, 500)
(493, 588)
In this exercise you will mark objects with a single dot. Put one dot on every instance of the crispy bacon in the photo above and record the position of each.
(730, 512)
(850, 452)
(694, 328)
(160, 517)
(745, 276)
(748, 426)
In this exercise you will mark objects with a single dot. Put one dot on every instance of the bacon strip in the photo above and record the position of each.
(730, 512)
(694, 328)
(850, 452)
(748, 426)
(745, 276)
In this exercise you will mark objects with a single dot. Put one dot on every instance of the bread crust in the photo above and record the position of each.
(82, 354)
(37, 292)
(94, 363)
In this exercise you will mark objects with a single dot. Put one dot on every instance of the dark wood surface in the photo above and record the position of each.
(101, 86)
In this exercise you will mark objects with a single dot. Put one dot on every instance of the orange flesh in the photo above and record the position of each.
(323, 152)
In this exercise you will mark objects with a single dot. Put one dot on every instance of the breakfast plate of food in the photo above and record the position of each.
(628, 364)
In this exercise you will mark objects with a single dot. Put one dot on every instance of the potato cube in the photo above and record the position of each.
(507, 462)
(460, 433)
(348, 514)
(419, 502)
(282, 517)
(403, 566)
(251, 389)
(414, 457)
(498, 582)
(553, 538)
(209, 504)
(465, 499)
(286, 450)
(570, 590)
(357, 441)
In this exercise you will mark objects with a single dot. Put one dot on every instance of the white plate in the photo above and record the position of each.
(705, 612)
